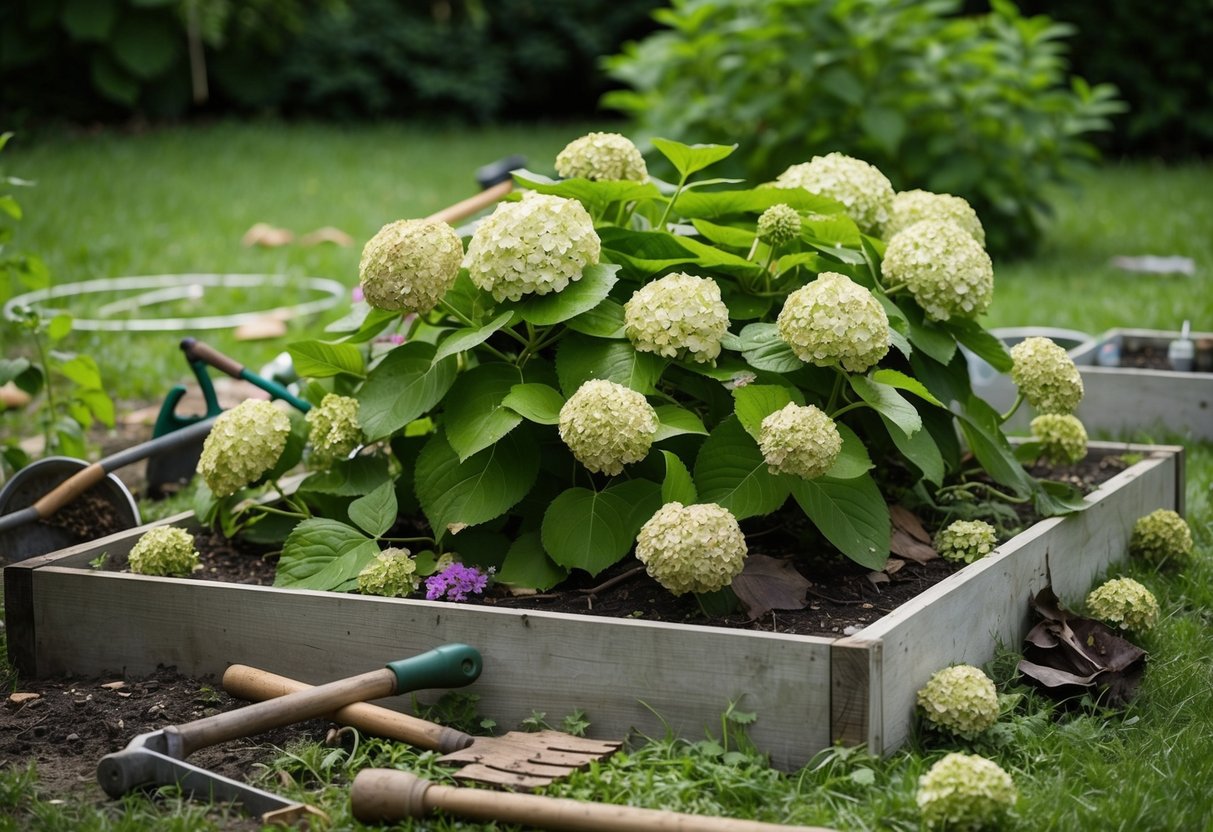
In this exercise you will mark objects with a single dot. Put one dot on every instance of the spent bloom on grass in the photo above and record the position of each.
(455, 582)
(779, 224)
(865, 192)
(1062, 437)
(164, 550)
(243, 444)
(607, 426)
(1046, 376)
(409, 265)
(392, 573)
(698, 548)
(943, 267)
(333, 429)
(676, 316)
(910, 207)
(534, 246)
(602, 156)
(1161, 536)
(834, 320)
(960, 699)
(799, 440)
(1125, 603)
(966, 540)
(965, 793)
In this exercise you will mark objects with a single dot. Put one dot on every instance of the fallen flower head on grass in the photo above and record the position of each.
(834, 320)
(165, 550)
(802, 441)
(392, 573)
(602, 156)
(696, 548)
(677, 315)
(948, 273)
(1046, 376)
(244, 443)
(965, 793)
(961, 699)
(409, 265)
(607, 426)
(1062, 437)
(865, 192)
(1125, 603)
(333, 431)
(1161, 536)
(966, 540)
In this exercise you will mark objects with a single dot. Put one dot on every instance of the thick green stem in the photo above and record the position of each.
(1015, 406)
(670, 205)
(839, 379)
(853, 406)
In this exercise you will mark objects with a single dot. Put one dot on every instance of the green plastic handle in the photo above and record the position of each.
(448, 666)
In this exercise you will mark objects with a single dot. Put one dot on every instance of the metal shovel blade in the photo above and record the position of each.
(524, 760)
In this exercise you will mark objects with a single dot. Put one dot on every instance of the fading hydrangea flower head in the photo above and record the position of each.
(834, 320)
(966, 540)
(678, 315)
(961, 699)
(779, 224)
(943, 267)
(536, 245)
(392, 573)
(409, 265)
(243, 444)
(799, 440)
(965, 793)
(910, 207)
(333, 429)
(1062, 436)
(1125, 603)
(607, 426)
(865, 192)
(455, 582)
(602, 156)
(1161, 536)
(164, 550)
(697, 548)
(1046, 376)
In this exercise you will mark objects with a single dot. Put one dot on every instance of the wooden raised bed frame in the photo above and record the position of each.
(63, 617)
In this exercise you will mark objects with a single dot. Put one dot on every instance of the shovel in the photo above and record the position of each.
(518, 760)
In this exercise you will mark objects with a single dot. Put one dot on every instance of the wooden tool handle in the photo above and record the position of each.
(196, 350)
(379, 795)
(460, 210)
(246, 682)
(68, 490)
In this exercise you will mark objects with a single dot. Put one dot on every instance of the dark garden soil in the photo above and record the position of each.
(1146, 356)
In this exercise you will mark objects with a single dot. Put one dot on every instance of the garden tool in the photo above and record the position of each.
(519, 760)
(495, 180)
(380, 795)
(157, 758)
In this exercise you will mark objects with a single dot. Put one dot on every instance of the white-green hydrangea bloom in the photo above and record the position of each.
(534, 246)
(677, 316)
(779, 224)
(1125, 603)
(799, 440)
(910, 207)
(392, 573)
(965, 793)
(409, 265)
(943, 267)
(243, 444)
(602, 156)
(1046, 376)
(607, 426)
(164, 550)
(333, 429)
(698, 548)
(961, 699)
(865, 192)
(1161, 536)
(834, 320)
(1062, 436)
(966, 540)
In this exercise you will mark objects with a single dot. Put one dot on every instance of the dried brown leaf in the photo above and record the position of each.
(910, 539)
(767, 584)
(908, 522)
(266, 235)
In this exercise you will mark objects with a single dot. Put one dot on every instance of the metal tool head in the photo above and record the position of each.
(495, 172)
(527, 760)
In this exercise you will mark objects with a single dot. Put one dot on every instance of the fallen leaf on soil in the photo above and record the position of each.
(878, 578)
(114, 685)
(910, 539)
(328, 234)
(267, 236)
(767, 584)
(16, 700)
(893, 565)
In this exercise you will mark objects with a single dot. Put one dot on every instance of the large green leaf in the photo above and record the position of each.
(982, 430)
(527, 565)
(692, 204)
(581, 358)
(851, 514)
(692, 158)
(920, 449)
(472, 336)
(643, 498)
(595, 195)
(853, 460)
(676, 421)
(901, 381)
(323, 554)
(730, 471)
(832, 229)
(375, 513)
(405, 385)
(710, 257)
(765, 350)
(317, 359)
(982, 343)
(585, 529)
(579, 296)
(755, 402)
(535, 402)
(725, 235)
(886, 401)
(606, 320)
(677, 487)
(474, 413)
(928, 336)
(349, 478)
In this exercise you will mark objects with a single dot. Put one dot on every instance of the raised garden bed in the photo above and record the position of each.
(64, 617)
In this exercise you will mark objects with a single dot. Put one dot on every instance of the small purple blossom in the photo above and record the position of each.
(455, 582)
(356, 295)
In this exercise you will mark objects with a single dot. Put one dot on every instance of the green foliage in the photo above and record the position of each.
(979, 106)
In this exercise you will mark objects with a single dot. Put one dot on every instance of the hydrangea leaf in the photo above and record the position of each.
(375, 513)
(405, 385)
(692, 158)
(581, 358)
(535, 402)
(981, 427)
(468, 337)
(731, 472)
(479, 547)
(755, 402)
(585, 529)
(693, 204)
(725, 235)
(676, 421)
(594, 195)
(920, 449)
(710, 257)
(895, 378)
(606, 320)
(982, 343)
(677, 487)
(886, 401)
(853, 460)
(474, 413)
(744, 307)
(362, 322)
(832, 230)
(643, 498)
(643, 253)
(765, 350)
(323, 554)
(851, 514)
(527, 565)
(836, 252)
(928, 337)
(580, 296)
(349, 477)
(317, 359)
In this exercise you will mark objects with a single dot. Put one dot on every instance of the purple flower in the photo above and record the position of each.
(356, 295)
(455, 582)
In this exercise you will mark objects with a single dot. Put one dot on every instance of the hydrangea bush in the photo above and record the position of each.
(965, 793)
(623, 365)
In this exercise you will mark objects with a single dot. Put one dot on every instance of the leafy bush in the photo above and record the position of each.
(980, 107)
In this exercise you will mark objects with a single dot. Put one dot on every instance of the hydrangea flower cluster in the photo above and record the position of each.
(679, 314)
(1125, 603)
(698, 548)
(333, 430)
(1062, 436)
(965, 793)
(409, 265)
(243, 444)
(835, 320)
(1046, 376)
(943, 267)
(966, 540)
(960, 699)
(166, 551)
(392, 574)
(607, 426)
(455, 582)
(865, 192)
(797, 440)
(1161, 536)
(602, 156)
(910, 207)
(534, 246)
(779, 224)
